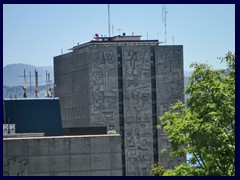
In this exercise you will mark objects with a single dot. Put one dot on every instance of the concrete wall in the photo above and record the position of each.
(169, 89)
(96, 155)
(137, 110)
(71, 74)
(103, 88)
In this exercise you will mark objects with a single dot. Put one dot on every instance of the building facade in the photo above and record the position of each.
(124, 86)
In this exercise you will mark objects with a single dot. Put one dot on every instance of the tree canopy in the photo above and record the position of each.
(205, 126)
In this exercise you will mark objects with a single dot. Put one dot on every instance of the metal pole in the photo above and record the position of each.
(30, 83)
(36, 83)
(25, 86)
(109, 33)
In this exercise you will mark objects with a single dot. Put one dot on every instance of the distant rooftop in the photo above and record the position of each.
(120, 40)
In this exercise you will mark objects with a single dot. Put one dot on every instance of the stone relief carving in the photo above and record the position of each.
(104, 89)
(137, 111)
(18, 167)
(169, 87)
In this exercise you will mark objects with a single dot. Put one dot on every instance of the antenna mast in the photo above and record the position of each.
(112, 30)
(30, 82)
(25, 83)
(36, 83)
(109, 30)
(164, 19)
(25, 86)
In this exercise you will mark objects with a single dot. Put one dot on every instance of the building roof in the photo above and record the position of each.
(117, 41)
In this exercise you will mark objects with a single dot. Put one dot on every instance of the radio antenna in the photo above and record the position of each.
(164, 19)
(109, 30)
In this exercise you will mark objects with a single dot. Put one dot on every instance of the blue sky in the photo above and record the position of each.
(34, 34)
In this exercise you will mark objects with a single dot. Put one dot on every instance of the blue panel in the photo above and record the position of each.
(34, 115)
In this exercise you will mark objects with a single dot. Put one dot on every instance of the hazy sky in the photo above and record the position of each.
(34, 34)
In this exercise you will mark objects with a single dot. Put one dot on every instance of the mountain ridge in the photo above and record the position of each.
(13, 74)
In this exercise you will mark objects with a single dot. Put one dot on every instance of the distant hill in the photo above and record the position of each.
(12, 73)
(13, 80)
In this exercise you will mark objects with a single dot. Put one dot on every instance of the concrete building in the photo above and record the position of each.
(90, 155)
(122, 83)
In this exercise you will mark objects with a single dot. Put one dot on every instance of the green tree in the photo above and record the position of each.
(205, 126)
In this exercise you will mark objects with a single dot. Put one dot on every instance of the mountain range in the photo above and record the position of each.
(13, 80)
(13, 74)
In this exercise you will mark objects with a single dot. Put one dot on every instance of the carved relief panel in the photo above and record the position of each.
(104, 88)
(169, 89)
(137, 110)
